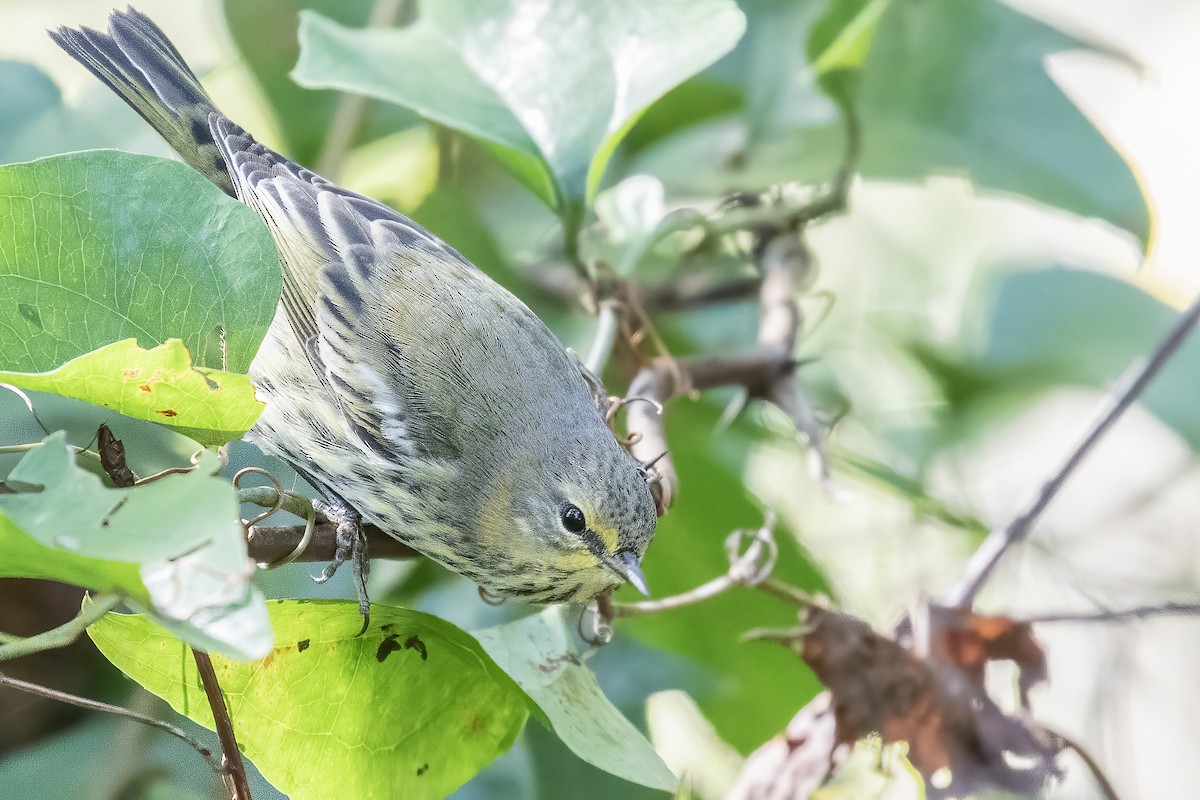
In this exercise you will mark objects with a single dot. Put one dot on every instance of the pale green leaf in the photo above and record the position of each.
(561, 81)
(537, 652)
(175, 545)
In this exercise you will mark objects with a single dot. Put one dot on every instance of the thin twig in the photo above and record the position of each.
(235, 770)
(787, 592)
(751, 567)
(1123, 394)
(64, 634)
(96, 705)
(1170, 609)
(704, 591)
(1107, 790)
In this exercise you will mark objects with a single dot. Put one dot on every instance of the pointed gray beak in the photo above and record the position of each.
(626, 563)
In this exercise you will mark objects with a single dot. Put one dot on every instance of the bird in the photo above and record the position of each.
(405, 385)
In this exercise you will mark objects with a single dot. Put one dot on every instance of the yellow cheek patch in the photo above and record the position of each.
(577, 560)
(608, 535)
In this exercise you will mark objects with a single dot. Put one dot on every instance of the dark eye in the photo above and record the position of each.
(572, 519)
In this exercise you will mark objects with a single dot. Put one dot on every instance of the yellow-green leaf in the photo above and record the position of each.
(413, 708)
(160, 385)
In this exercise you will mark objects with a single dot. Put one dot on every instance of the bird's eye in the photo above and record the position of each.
(572, 519)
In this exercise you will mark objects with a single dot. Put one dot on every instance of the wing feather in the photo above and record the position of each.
(339, 252)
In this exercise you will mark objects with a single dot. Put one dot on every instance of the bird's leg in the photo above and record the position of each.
(352, 547)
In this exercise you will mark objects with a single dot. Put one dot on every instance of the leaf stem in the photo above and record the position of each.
(64, 634)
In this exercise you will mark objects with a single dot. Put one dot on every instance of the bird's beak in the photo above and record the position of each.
(626, 563)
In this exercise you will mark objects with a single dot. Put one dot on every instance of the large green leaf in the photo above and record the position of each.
(100, 246)
(174, 545)
(941, 86)
(954, 87)
(160, 385)
(755, 688)
(412, 708)
(539, 654)
(559, 81)
(265, 34)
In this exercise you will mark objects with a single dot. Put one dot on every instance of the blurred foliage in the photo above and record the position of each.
(497, 125)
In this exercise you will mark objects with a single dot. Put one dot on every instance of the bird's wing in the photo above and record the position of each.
(343, 258)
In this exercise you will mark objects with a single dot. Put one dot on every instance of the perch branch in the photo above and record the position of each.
(269, 544)
(1123, 394)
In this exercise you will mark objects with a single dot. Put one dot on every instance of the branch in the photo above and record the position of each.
(752, 567)
(1169, 609)
(96, 705)
(1123, 394)
(767, 373)
(231, 756)
(1107, 790)
(267, 545)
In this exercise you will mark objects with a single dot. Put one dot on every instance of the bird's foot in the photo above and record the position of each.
(352, 547)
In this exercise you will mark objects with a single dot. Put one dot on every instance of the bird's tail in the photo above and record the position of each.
(138, 62)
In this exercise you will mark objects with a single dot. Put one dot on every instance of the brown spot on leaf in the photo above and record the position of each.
(414, 643)
(130, 374)
(145, 387)
(168, 412)
(266, 662)
(302, 645)
(554, 662)
(388, 646)
(474, 722)
(422, 769)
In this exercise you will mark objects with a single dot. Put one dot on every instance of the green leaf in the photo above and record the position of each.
(567, 101)
(538, 653)
(175, 545)
(100, 246)
(265, 34)
(944, 87)
(412, 708)
(755, 689)
(953, 87)
(159, 385)
(26, 557)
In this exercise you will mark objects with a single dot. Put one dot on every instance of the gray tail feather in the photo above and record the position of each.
(138, 62)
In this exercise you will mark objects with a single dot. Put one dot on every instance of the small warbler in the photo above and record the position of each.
(405, 385)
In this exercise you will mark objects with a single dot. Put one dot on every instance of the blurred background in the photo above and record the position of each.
(972, 334)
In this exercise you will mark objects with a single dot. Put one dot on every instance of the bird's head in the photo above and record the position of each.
(573, 525)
